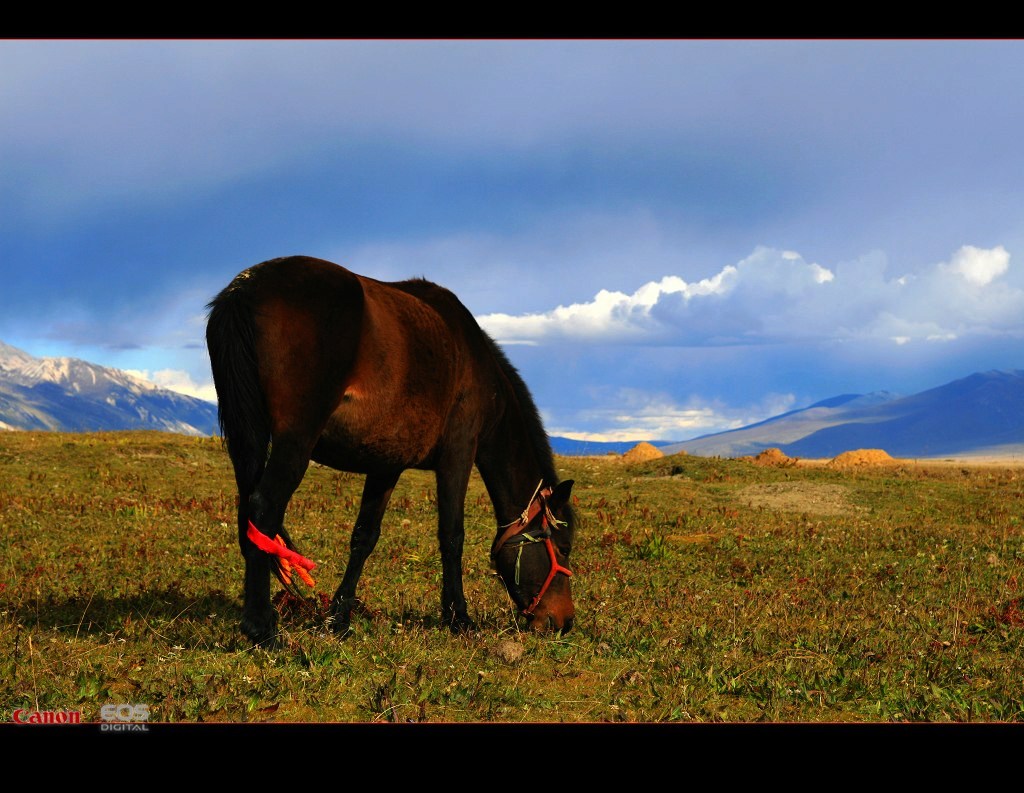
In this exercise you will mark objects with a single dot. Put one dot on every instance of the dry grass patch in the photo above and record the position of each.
(812, 497)
(706, 590)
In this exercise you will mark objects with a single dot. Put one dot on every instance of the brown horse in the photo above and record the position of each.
(312, 361)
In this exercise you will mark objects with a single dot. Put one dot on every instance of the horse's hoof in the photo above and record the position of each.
(265, 641)
(342, 630)
(462, 624)
(262, 633)
(341, 616)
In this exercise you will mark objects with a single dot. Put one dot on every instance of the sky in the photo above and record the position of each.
(668, 237)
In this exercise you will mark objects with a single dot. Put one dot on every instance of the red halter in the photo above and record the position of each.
(538, 505)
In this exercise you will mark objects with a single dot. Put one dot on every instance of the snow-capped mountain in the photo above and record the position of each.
(71, 395)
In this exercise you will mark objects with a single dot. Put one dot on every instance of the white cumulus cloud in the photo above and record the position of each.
(979, 266)
(177, 380)
(611, 315)
(775, 296)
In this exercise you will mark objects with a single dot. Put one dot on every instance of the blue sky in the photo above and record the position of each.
(669, 237)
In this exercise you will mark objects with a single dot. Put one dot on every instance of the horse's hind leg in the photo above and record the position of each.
(265, 508)
(377, 491)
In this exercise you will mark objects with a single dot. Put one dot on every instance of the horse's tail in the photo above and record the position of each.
(241, 408)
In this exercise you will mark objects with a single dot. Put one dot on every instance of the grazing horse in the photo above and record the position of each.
(314, 362)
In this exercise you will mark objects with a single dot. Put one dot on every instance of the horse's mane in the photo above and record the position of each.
(538, 437)
(534, 426)
(531, 416)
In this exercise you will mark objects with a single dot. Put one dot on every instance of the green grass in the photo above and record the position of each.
(898, 598)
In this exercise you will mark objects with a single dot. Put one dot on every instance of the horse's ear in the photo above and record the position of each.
(560, 495)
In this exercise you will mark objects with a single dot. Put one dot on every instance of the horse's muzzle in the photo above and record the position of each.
(555, 613)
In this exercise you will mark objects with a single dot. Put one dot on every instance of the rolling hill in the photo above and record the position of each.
(981, 414)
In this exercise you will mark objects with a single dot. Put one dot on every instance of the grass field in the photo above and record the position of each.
(706, 590)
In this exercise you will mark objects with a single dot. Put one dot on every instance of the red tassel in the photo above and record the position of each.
(264, 543)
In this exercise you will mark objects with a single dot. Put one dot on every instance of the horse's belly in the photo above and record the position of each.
(361, 438)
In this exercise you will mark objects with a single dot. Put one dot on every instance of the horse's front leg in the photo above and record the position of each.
(377, 492)
(451, 507)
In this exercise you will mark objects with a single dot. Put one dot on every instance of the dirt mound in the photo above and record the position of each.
(771, 456)
(642, 452)
(862, 457)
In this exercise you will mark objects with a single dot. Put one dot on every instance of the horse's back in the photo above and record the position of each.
(307, 315)
(373, 371)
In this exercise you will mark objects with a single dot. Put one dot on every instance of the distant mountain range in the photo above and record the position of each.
(981, 414)
(70, 395)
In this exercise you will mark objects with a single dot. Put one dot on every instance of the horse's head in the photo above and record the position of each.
(531, 555)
